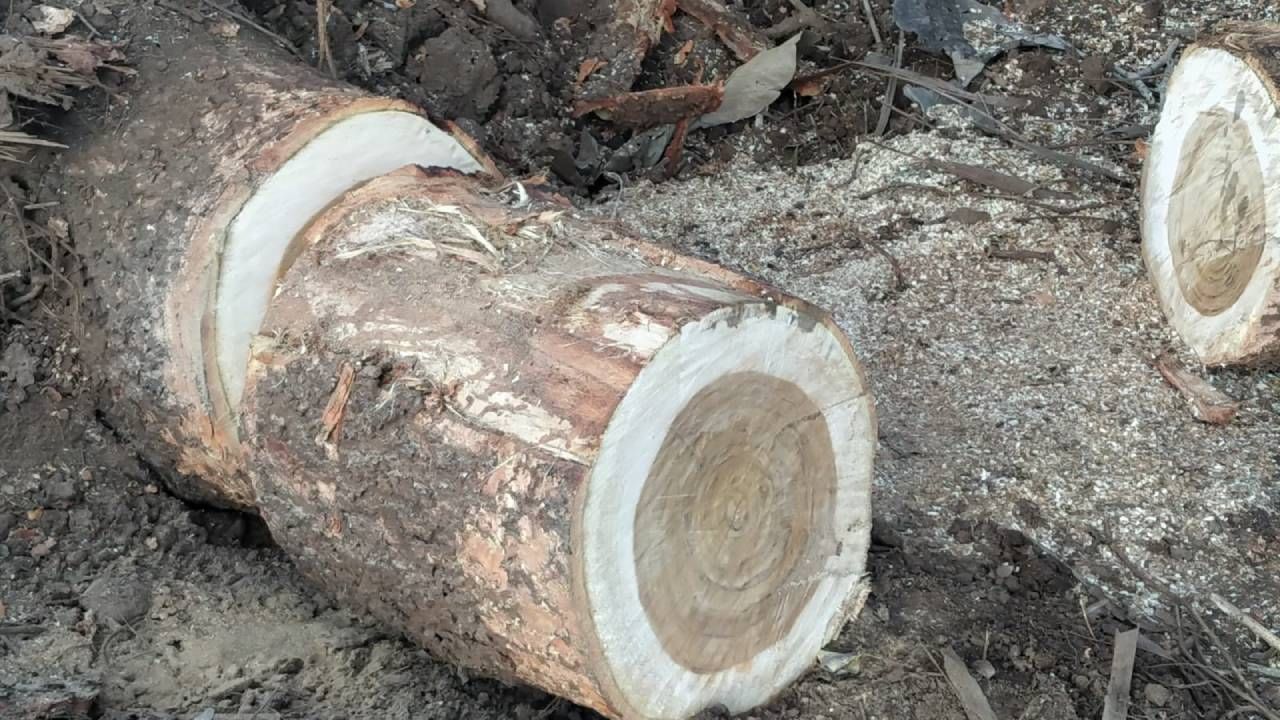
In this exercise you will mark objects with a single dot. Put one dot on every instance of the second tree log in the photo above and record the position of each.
(559, 455)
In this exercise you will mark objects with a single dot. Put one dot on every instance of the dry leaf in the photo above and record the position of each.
(810, 86)
(587, 67)
(682, 54)
(755, 85)
(406, 4)
(50, 20)
(3, 610)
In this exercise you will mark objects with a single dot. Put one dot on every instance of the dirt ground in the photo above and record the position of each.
(1038, 487)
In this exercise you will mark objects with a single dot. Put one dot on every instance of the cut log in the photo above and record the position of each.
(1211, 197)
(547, 451)
(183, 216)
(558, 455)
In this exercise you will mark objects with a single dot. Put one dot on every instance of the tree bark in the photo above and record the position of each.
(1211, 197)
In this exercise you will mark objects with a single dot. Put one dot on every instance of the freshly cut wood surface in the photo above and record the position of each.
(566, 457)
(1211, 197)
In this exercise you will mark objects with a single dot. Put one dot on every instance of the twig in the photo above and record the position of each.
(871, 20)
(322, 35)
(1209, 405)
(37, 286)
(1245, 619)
(999, 253)
(936, 190)
(4, 277)
(93, 31)
(899, 279)
(886, 109)
(1116, 705)
(20, 630)
(1085, 612)
(256, 26)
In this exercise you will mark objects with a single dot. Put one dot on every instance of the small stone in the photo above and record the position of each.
(42, 549)
(289, 666)
(7, 521)
(86, 475)
(1095, 69)
(61, 493)
(151, 542)
(985, 669)
(50, 20)
(1044, 660)
(150, 489)
(117, 599)
(1005, 570)
(1157, 694)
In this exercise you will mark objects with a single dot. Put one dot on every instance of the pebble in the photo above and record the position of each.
(1157, 694)
(61, 493)
(117, 599)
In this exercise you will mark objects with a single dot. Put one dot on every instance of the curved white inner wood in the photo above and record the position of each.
(810, 369)
(347, 153)
(1212, 91)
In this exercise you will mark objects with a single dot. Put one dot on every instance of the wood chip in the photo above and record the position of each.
(1116, 705)
(335, 410)
(648, 108)
(976, 706)
(734, 31)
(682, 55)
(588, 66)
(1208, 404)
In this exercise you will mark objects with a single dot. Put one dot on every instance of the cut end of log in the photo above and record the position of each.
(331, 159)
(1211, 204)
(727, 517)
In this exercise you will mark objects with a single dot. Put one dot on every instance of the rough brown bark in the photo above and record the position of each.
(149, 200)
(475, 388)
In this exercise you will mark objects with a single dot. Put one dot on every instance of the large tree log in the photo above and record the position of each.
(182, 212)
(560, 455)
(1211, 197)
(547, 451)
